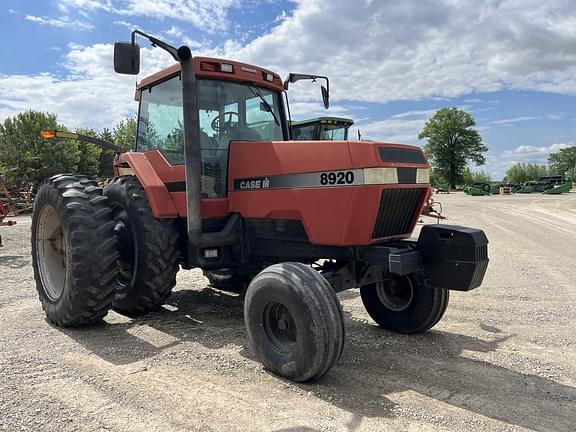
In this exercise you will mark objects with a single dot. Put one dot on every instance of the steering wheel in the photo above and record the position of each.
(219, 123)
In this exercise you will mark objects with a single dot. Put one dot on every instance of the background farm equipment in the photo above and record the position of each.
(478, 189)
(526, 189)
(433, 209)
(7, 205)
(559, 188)
(322, 128)
(442, 188)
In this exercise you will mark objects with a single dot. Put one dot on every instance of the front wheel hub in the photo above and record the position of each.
(395, 294)
(280, 327)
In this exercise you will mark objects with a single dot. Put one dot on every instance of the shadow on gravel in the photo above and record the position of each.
(443, 366)
(440, 365)
(15, 261)
(209, 317)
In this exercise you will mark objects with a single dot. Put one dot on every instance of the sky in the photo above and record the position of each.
(511, 64)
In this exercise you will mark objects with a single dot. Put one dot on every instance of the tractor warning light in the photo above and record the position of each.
(225, 67)
(48, 134)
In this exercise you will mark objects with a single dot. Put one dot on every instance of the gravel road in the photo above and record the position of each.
(502, 359)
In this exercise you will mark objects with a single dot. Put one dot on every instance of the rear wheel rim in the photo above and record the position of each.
(51, 253)
(280, 327)
(395, 294)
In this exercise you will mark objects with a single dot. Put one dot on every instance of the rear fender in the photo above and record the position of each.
(157, 194)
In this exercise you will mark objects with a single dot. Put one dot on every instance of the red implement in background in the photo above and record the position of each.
(433, 209)
(3, 209)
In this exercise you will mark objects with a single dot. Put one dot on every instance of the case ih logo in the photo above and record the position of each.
(250, 184)
(301, 180)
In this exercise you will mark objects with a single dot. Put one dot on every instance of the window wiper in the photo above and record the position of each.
(256, 92)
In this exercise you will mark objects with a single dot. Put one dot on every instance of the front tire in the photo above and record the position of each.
(294, 321)
(148, 249)
(404, 304)
(73, 250)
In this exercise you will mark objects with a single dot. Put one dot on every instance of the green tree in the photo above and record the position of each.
(522, 172)
(89, 162)
(124, 134)
(535, 171)
(452, 143)
(106, 156)
(436, 179)
(481, 177)
(564, 162)
(26, 156)
(469, 177)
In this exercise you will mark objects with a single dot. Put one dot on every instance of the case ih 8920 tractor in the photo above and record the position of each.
(216, 183)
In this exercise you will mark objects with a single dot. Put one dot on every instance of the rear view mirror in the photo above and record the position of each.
(127, 58)
(325, 97)
(293, 77)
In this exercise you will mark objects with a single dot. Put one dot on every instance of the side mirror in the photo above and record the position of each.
(127, 58)
(293, 77)
(325, 97)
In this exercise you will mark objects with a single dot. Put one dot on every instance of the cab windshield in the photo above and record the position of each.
(333, 132)
(228, 111)
(317, 130)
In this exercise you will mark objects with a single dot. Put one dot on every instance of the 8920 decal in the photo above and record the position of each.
(337, 178)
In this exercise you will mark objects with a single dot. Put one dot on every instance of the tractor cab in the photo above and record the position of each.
(236, 102)
(322, 128)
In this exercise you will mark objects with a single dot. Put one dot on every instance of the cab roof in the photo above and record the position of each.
(211, 68)
(326, 120)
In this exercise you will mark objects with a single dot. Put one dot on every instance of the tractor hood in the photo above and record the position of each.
(344, 192)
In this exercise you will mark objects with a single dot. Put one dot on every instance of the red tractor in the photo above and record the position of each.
(216, 183)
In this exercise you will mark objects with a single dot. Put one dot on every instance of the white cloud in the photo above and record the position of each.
(422, 113)
(526, 152)
(123, 23)
(208, 15)
(511, 121)
(175, 32)
(305, 110)
(64, 22)
(382, 51)
(90, 95)
(393, 130)
(498, 164)
(555, 116)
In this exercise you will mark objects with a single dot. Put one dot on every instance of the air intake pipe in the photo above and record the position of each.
(230, 233)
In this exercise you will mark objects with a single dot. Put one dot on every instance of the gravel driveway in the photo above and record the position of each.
(503, 358)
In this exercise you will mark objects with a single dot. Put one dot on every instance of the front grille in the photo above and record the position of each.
(397, 210)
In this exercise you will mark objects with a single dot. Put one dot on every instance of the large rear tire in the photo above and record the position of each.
(404, 304)
(294, 321)
(73, 250)
(148, 249)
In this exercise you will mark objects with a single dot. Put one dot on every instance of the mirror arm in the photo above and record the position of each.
(157, 42)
